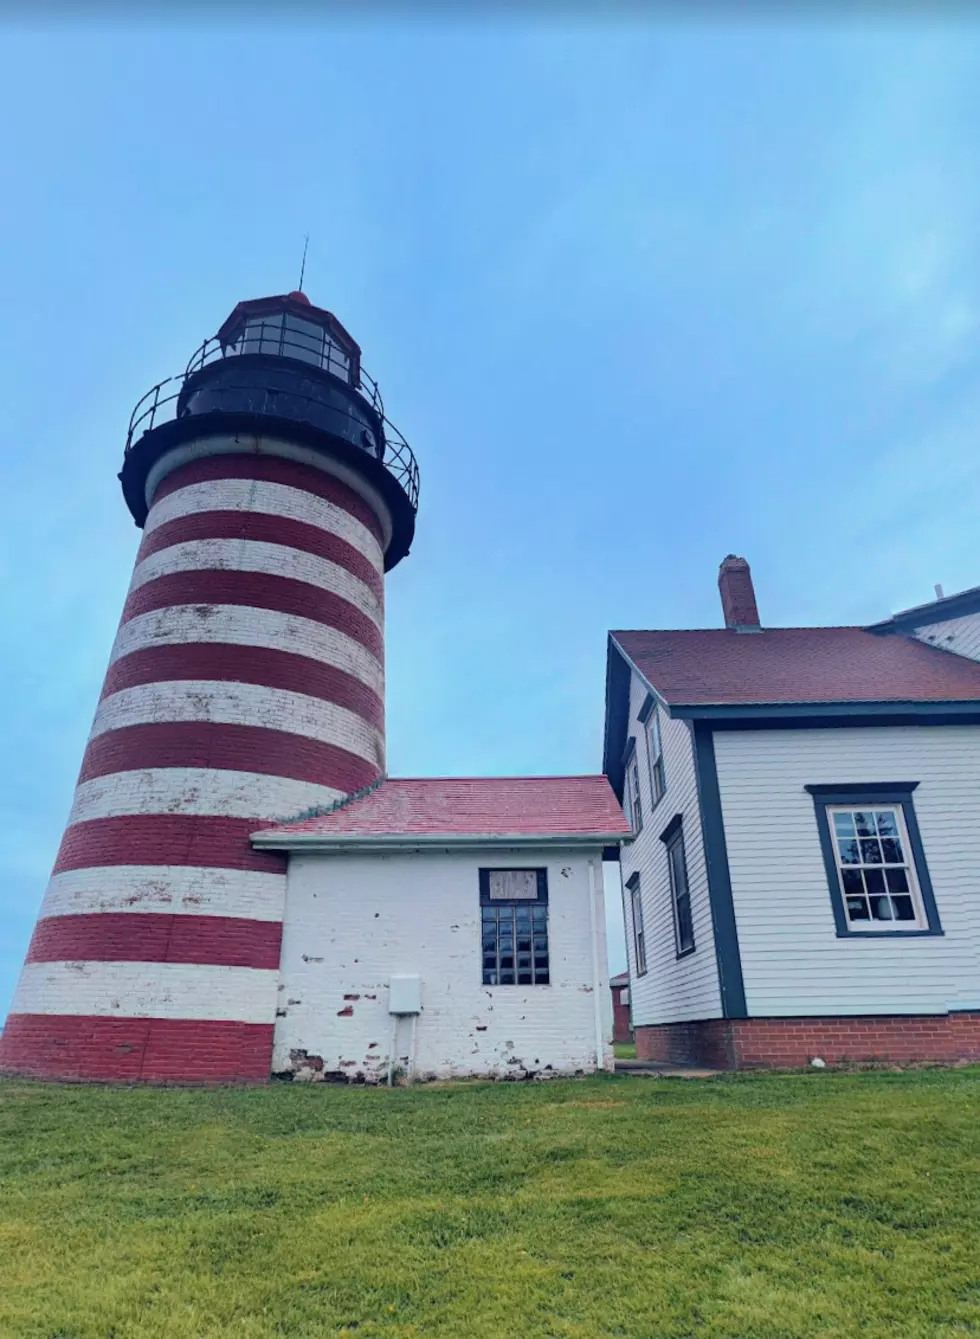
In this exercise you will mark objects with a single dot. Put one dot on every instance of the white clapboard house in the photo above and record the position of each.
(803, 881)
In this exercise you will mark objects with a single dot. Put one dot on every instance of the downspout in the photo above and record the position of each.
(596, 978)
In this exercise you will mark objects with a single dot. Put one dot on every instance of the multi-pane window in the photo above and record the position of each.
(655, 757)
(639, 934)
(635, 804)
(680, 891)
(514, 914)
(875, 868)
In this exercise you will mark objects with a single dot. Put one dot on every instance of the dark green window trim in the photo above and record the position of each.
(631, 787)
(632, 885)
(680, 887)
(898, 794)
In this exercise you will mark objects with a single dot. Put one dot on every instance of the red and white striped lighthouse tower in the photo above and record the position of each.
(246, 684)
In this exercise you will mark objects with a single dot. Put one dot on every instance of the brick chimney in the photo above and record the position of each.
(737, 594)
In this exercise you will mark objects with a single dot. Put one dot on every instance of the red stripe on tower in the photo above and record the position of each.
(233, 748)
(273, 469)
(256, 590)
(260, 665)
(263, 529)
(125, 1050)
(245, 686)
(222, 941)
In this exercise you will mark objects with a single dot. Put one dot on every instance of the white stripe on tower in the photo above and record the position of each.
(244, 704)
(203, 791)
(245, 685)
(232, 625)
(242, 555)
(178, 890)
(270, 499)
(147, 990)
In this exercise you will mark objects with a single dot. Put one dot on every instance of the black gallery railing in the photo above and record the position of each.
(335, 413)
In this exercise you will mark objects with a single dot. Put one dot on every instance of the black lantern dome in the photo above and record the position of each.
(281, 368)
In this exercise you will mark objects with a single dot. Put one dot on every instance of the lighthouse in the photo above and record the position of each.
(245, 688)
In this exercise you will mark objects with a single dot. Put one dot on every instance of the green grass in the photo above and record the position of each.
(624, 1050)
(765, 1206)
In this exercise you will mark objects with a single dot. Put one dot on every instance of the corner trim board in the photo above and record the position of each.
(731, 984)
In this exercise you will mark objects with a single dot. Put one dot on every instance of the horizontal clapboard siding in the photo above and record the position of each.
(792, 961)
(673, 990)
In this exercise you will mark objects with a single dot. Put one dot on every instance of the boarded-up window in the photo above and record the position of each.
(513, 885)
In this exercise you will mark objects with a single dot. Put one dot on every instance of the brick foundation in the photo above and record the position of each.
(788, 1043)
(130, 1050)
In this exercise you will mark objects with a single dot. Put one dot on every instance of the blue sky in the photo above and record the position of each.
(638, 294)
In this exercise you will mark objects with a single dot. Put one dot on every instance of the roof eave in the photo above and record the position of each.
(617, 709)
(273, 839)
(722, 711)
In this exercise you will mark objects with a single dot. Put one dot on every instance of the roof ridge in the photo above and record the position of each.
(321, 810)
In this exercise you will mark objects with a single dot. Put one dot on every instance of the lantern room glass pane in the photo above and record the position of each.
(263, 334)
(303, 340)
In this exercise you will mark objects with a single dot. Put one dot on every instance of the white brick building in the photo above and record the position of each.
(480, 898)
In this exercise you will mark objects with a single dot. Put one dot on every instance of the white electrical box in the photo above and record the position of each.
(405, 995)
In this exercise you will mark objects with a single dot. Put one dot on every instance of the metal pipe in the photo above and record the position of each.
(411, 1049)
(596, 979)
(391, 1046)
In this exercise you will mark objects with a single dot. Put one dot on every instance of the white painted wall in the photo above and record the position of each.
(792, 960)
(961, 635)
(673, 989)
(353, 920)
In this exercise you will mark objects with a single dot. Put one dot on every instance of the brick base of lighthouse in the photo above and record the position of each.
(245, 686)
(127, 1050)
(789, 1043)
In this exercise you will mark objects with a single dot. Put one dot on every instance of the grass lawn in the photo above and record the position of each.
(765, 1206)
(624, 1050)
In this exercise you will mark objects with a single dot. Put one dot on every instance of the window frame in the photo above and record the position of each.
(639, 950)
(632, 788)
(673, 840)
(649, 717)
(886, 794)
(484, 873)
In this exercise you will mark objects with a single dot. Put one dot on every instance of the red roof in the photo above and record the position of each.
(525, 806)
(717, 666)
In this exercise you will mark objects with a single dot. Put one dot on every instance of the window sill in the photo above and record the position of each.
(685, 953)
(540, 985)
(658, 803)
(890, 934)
